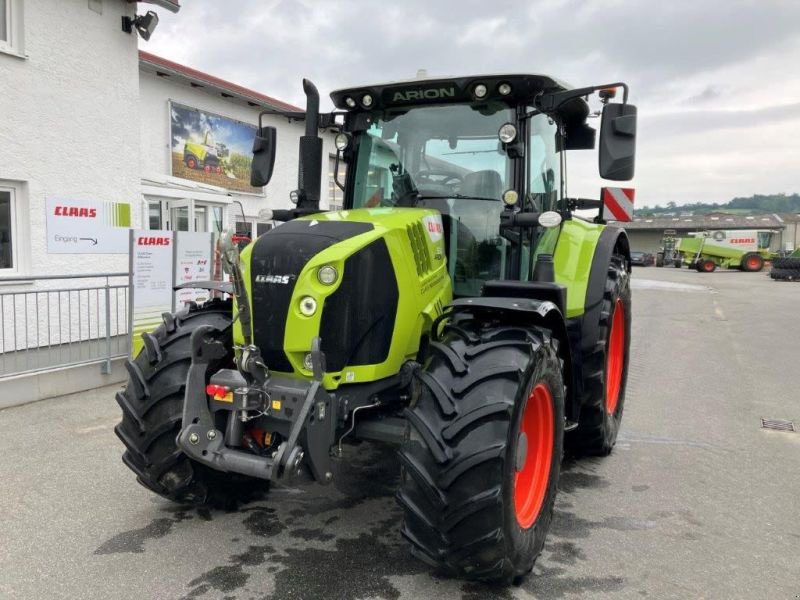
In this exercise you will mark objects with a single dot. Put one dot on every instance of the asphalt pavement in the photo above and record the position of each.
(697, 500)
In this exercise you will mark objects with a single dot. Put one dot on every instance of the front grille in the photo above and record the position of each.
(422, 255)
(284, 252)
(358, 318)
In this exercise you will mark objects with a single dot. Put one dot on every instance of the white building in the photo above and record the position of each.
(168, 198)
(97, 138)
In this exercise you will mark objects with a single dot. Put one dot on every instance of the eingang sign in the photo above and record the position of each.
(76, 226)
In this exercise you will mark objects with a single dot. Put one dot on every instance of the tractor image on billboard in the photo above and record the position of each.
(207, 155)
(457, 309)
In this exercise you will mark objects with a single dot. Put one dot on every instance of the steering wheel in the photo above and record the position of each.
(438, 177)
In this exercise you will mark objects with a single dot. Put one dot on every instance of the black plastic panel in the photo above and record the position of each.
(358, 318)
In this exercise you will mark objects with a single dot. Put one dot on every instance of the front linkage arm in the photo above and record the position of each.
(311, 427)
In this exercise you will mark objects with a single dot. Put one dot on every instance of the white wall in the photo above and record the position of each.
(70, 122)
(155, 93)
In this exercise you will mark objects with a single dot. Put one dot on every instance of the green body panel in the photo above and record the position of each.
(423, 285)
(572, 258)
(198, 150)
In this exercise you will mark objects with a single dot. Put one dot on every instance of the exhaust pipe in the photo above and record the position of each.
(309, 173)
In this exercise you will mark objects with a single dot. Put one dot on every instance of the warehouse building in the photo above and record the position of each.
(646, 233)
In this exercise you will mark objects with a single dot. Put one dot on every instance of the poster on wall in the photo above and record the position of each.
(77, 226)
(151, 252)
(211, 149)
(193, 262)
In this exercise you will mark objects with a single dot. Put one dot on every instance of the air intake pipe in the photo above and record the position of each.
(310, 169)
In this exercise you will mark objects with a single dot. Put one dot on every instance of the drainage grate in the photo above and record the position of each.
(778, 424)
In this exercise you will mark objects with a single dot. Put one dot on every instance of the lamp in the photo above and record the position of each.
(145, 24)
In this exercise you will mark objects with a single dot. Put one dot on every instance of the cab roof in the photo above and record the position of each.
(442, 90)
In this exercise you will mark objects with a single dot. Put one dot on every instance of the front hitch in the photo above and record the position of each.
(312, 424)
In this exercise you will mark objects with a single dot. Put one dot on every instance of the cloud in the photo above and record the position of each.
(709, 77)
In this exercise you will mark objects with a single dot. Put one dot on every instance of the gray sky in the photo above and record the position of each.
(717, 82)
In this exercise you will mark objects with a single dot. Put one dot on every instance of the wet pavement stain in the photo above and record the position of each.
(571, 481)
(357, 568)
(133, 540)
(565, 553)
(311, 534)
(640, 488)
(262, 521)
(546, 585)
(229, 578)
(482, 591)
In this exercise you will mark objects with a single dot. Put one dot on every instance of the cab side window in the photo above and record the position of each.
(544, 166)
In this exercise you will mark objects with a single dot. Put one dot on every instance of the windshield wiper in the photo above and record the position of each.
(458, 197)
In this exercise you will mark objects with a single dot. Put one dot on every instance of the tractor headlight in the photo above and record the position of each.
(308, 306)
(327, 275)
(308, 363)
(366, 100)
(350, 102)
(504, 89)
(341, 141)
(507, 133)
(510, 197)
(480, 91)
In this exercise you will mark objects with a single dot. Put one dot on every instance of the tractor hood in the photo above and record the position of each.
(387, 265)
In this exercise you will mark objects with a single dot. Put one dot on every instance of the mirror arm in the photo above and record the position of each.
(336, 171)
(552, 102)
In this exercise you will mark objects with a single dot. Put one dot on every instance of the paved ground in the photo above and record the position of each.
(696, 502)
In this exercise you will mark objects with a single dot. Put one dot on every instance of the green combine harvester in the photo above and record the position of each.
(457, 309)
(745, 249)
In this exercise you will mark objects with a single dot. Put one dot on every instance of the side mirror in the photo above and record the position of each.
(618, 142)
(264, 146)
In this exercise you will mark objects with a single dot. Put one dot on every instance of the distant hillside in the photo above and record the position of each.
(757, 204)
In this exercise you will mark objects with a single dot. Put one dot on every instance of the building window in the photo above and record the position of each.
(335, 194)
(154, 215)
(8, 226)
(11, 26)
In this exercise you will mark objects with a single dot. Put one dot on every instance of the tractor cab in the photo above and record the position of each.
(479, 150)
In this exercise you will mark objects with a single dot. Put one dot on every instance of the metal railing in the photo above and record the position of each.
(62, 320)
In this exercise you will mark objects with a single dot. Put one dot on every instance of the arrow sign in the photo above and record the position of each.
(93, 240)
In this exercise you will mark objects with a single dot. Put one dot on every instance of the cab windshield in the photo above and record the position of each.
(432, 152)
(448, 158)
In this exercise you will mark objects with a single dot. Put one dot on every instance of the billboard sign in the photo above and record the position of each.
(87, 226)
(211, 149)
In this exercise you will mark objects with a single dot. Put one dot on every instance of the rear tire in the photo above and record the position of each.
(786, 262)
(786, 274)
(477, 500)
(606, 368)
(152, 410)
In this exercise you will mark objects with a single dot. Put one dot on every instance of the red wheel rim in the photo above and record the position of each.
(219, 170)
(616, 357)
(191, 164)
(207, 169)
(532, 476)
(708, 266)
(752, 262)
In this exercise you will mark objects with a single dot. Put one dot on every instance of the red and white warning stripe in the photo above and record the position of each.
(618, 203)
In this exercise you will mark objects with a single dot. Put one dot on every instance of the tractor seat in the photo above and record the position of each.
(485, 184)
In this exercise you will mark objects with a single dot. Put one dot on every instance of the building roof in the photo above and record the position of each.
(703, 222)
(167, 68)
(170, 5)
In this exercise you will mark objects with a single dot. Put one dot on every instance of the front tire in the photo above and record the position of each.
(606, 368)
(152, 410)
(752, 263)
(483, 450)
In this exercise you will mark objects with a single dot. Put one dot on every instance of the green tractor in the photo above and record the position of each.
(456, 308)
(207, 155)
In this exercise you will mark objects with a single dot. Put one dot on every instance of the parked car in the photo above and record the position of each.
(642, 259)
